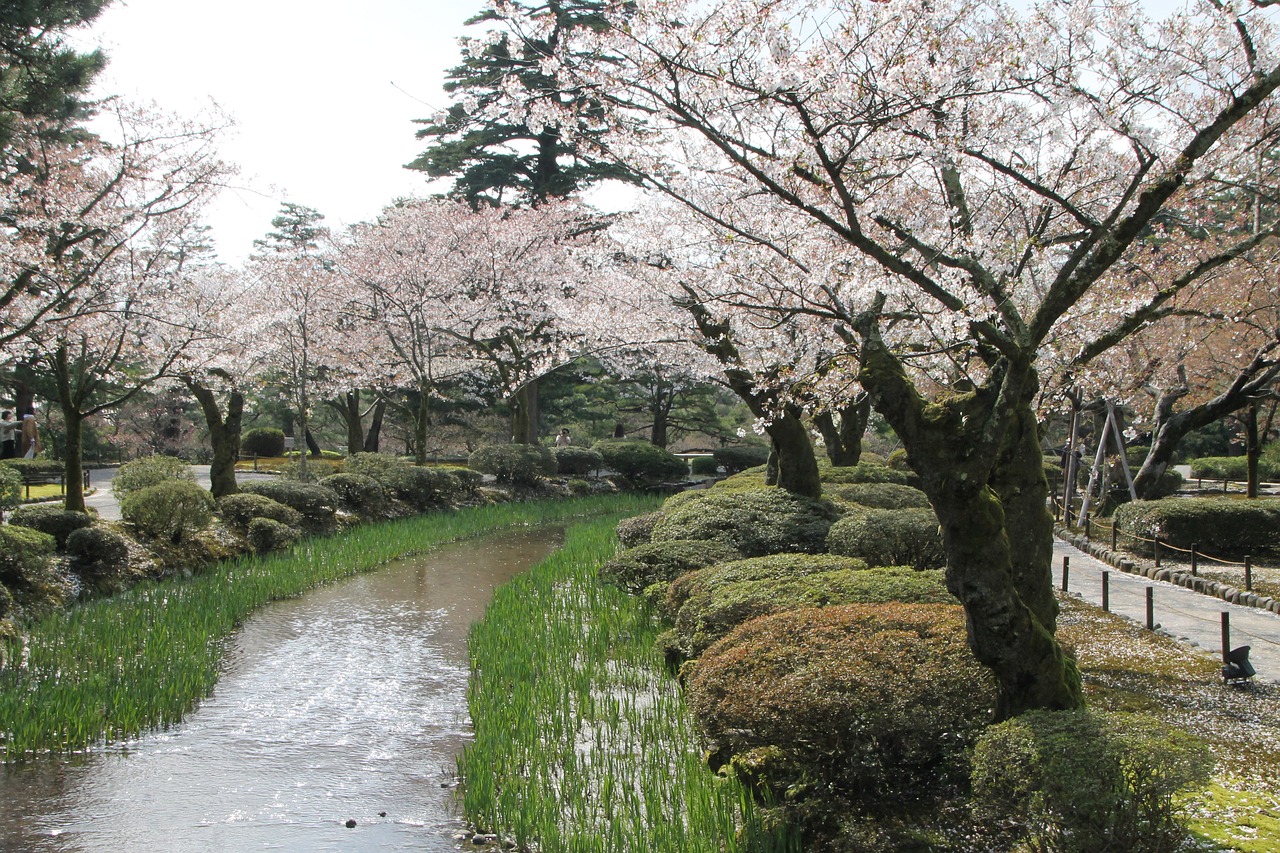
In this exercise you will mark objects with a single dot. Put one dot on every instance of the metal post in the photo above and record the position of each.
(1151, 608)
(1106, 591)
(1248, 573)
(1066, 570)
(1155, 545)
(1226, 634)
(1195, 564)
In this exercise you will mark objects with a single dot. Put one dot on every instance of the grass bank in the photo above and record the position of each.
(110, 669)
(583, 742)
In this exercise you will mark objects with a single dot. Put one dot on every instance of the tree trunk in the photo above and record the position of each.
(663, 399)
(1252, 448)
(524, 414)
(73, 459)
(844, 440)
(312, 448)
(372, 437)
(348, 407)
(982, 470)
(224, 436)
(797, 465)
(421, 424)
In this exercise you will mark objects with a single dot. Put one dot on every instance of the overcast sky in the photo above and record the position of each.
(324, 94)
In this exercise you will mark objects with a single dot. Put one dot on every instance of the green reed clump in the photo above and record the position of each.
(112, 668)
(583, 742)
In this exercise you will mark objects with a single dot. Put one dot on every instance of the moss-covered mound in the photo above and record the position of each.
(757, 522)
(869, 705)
(638, 568)
(890, 537)
(715, 601)
(867, 472)
(879, 495)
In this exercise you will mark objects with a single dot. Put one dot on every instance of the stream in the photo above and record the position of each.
(347, 704)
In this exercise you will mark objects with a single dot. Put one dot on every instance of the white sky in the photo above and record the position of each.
(310, 84)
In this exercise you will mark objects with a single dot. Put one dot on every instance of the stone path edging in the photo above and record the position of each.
(1136, 566)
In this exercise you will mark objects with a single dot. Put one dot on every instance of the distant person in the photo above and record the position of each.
(30, 437)
(8, 435)
(563, 439)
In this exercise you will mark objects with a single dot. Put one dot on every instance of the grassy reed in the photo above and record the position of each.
(583, 742)
(111, 669)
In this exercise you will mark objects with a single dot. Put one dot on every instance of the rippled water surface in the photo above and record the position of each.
(346, 704)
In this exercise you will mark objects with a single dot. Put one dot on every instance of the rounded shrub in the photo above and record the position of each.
(34, 467)
(522, 464)
(867, 472)
(27, 570)
(890, 537)
(266, 535)
(99, 556)
(149, 471)
(640, 461)
(704, 466)
(1080, 781)
(174, 510)
(739, 457)
(423, 488)
(54, 520)
(898, 460)
(262, 441)
(576, 461)
(866, 703)
(638, 529)
(715, 600)
(238, 511)
(1220, 526)
(880, 495)
(638, 568)
(10, 489)
(757, 522)
(748, 480)
(377, 466)
(357, 493)
(316, 503)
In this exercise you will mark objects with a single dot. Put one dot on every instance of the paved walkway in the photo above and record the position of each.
(1179, 612)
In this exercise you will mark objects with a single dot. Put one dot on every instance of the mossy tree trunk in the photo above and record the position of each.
(524, 414)
(843, 440)
(224, 435)
(373, 435)
(981, 465)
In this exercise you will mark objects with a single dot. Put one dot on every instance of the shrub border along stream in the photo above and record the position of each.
(110, 669)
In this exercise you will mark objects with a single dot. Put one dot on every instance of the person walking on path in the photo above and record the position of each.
(8, 435)
(30, 437)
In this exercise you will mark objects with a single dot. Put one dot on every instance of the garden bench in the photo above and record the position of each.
(37, 478)
(1236, 667)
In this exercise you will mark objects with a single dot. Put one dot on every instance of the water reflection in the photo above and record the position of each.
(347, 704)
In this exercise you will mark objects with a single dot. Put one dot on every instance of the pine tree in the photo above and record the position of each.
(504, 160)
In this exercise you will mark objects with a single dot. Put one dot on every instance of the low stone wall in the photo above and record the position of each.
(1130, 564)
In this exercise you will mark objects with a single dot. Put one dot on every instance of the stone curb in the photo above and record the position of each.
(1130, 565)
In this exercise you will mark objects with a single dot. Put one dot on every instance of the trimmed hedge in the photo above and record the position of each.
(99, 556)
(1081, 781)
(10, 488)
(1221, 526)
(640, 461)
(739, 457)
(638, 529)
(880, 495)
(357, 493)
(239, 511)
(863, 703)
(174, 510)
(576, 461)
(704, 466)
(316, 503)
(716, 600)
(266, 535)
(523, 464)
(149, 471)
(27, 572)
(758, 522)
(638, 568)
(1233, 468)
(262, 441)
(34, 467)
(54, 520)
(890, 537)
(868, 472)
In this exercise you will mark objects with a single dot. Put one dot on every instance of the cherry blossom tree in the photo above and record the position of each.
(955, 182)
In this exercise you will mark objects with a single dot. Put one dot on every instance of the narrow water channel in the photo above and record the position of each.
(345, 704)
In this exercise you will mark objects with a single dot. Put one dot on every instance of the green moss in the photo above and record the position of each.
(767, 521)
